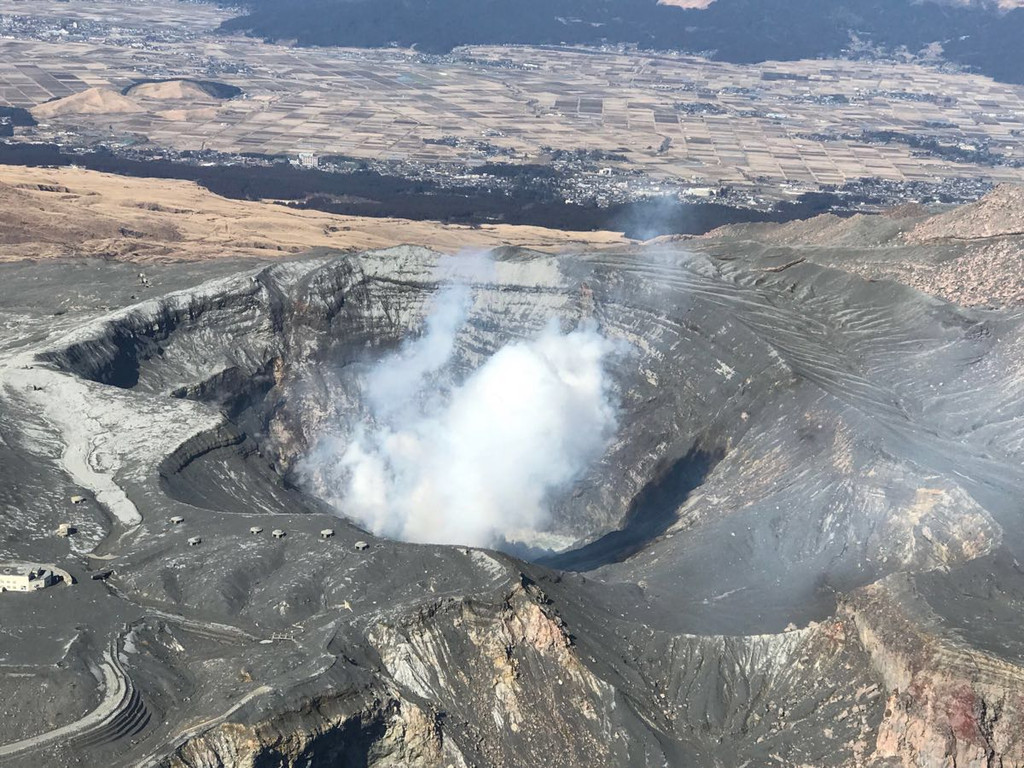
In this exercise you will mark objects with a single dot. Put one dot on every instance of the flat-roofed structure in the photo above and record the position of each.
(25, 577)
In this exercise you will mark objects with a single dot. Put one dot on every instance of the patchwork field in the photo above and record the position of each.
(797, 124)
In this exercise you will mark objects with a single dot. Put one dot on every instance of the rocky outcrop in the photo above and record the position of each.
(949, 705)
(970, 255)
(998, 214)
(518, 695)
(469, 682)
(385, 734)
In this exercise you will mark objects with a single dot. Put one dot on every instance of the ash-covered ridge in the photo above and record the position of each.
(801, 545)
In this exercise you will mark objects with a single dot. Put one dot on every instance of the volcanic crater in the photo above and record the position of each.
(808, 468)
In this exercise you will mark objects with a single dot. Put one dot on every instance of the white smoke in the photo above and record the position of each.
(477, 464)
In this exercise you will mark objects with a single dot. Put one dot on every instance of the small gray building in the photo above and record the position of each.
(25, 578)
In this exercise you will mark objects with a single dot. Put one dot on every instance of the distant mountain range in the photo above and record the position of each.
(983, 35)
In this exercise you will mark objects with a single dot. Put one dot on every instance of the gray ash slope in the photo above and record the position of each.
(803, 546)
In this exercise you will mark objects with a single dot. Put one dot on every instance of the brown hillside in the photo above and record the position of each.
(47, 212)
(94, 101)
(170, 90)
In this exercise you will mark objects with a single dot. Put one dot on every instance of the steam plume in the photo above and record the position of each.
(479, 463)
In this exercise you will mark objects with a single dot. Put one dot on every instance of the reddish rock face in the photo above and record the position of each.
(949, 705)
(963, 711)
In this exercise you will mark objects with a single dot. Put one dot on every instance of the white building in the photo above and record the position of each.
(25, 578)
